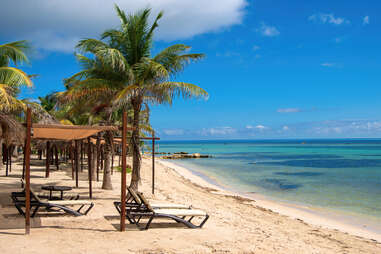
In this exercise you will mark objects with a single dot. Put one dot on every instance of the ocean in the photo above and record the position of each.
(341, 176)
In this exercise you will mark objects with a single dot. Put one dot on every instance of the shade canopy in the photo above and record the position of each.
(67, 132)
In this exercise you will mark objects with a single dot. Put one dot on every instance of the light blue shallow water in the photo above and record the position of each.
(342, 175)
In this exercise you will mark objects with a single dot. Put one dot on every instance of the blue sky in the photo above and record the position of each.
(273, 69)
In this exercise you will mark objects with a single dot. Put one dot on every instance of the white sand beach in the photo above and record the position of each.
(236, 224)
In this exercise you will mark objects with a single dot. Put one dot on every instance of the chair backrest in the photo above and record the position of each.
(145, 201)
(134, 196)
(32, 192)
(34, 195)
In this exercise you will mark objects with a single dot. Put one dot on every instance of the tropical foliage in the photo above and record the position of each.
(11, 78)
(119, 73)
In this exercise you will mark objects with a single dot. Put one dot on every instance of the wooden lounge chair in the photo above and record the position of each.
(134, 200)
(134, 214)
(56, 205)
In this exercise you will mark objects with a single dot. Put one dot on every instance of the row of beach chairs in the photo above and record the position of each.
(137, 208)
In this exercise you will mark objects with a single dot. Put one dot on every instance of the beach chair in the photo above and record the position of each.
(57, 205)
(134, 201)
(184, 216)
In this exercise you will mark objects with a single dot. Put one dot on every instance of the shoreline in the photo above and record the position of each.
(298, 212)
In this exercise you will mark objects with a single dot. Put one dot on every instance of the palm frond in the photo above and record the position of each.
(14, 77)
(15, 52)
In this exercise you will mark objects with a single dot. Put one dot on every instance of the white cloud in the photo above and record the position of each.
(268, 31)
(328, 64)
(365, 20)
(260, 127)
(289, 110)
(218, 131)
(324, 18)
(57, 25)
(173, 132)
(285, 128)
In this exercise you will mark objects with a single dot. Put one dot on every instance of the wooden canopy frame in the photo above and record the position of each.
(77, 133)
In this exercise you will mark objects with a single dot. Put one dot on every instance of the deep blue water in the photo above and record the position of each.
(340, 174)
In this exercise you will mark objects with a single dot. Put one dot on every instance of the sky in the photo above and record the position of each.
(273, 68)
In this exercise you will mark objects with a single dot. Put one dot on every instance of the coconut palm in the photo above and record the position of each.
(123, 72)
(12, 78)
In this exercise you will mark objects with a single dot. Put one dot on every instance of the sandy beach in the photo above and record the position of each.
(236, 224)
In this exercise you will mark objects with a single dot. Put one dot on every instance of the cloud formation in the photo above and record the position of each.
(289, 110)
(268, 31)
(365, 20)
(58, 25)
(324, 18)
(328, 64)
(318, 129)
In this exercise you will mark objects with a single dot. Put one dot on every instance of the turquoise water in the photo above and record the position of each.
(342, 175)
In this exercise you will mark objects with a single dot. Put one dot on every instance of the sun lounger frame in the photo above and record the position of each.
(137, 209)
(36, 203)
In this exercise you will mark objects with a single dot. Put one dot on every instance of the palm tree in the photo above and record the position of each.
(12, 78)
(123, 72)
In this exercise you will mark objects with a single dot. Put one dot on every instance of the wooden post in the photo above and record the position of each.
(153, 162)
(124, 180)
(27, 170)
(89, 168)
(47, 170)
(10, 158)
(6, 160)
(81, 155)
(72, 160)
(102, 156)
(98, 155)
(112, 161)
(23, 163)
(76, 163)
(56, 155)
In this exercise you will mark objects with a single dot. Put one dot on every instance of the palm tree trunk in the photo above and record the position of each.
(136, 157)
(107, 183)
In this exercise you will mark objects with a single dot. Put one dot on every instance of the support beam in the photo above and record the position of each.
(153, 162)
(82, 155)
(27, 170)
(23, 163)
(47, 162)
(124, 180)
(112, 160)
(89, 168)
(6, 161)
(76, 155)
(72, 160)
(98, 155)
(10, 158)
(56, 156)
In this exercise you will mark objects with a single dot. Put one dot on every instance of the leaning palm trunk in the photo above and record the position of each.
(136, 157)
(107, 183)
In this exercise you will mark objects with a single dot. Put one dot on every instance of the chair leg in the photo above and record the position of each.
(88, 210)
(203, 222)
(35, 211)
(149, 222)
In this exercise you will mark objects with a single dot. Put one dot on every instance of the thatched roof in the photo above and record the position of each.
(11, 131)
